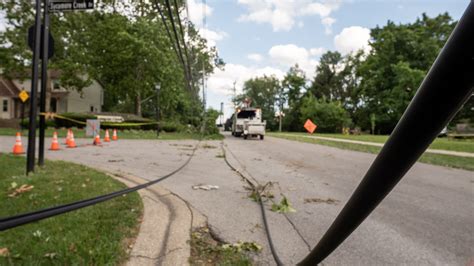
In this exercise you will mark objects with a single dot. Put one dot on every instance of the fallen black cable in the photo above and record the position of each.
(262, 209)
(17, 220)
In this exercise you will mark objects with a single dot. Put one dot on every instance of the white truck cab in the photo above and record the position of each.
(248, 122)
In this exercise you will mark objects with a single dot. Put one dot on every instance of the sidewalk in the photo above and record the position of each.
(165, 229)
(434, 151)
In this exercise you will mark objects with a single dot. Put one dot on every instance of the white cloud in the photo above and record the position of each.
(255, 57)
(352, 39)
(281, 14)
(288, 55)
(317, 51)
(222, 81)
(211, 36)
(196, 11)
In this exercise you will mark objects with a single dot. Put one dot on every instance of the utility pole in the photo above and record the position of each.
(157, 109)
(30, 157)
(44, 81)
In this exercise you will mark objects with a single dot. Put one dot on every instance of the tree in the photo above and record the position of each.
(327, 82)
(294, 83)
(263, 93)
(122, 45)
(400, 56)
(329, 116)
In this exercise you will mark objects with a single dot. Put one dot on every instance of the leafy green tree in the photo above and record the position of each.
(122, 45)
(327, 82)
(400, 56)
(263, 93)
(294, 83)
(329, 116)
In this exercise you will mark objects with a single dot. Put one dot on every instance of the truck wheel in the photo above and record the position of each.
(245, 136)
(261, 137)
(233, 133)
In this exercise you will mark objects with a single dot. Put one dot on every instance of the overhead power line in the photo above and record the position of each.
(170, 14)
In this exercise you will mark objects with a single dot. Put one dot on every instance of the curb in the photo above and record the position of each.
(165, 231)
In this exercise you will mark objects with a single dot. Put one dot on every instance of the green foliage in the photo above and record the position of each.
(90, 236)
(283, 207)
(263, 93)
(294, 83)
(124, 47)
(329, 116)
(210, 127)
(82, 117)
(25, 123)
(400, 57)
(172, 126)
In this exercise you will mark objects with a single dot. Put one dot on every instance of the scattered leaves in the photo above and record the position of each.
(242, 246)
(283, 207)
(20, 190)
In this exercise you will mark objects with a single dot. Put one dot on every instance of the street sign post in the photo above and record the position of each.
(71, 5)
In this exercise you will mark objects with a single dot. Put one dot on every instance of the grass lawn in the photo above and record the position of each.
(464, 145)
(95, 235)
(122, 134)
(436, 159)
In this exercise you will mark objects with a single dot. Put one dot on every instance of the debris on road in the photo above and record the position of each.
(317, 200)
(205, 187)
(207, 146)
(283, 207)
(116, 161)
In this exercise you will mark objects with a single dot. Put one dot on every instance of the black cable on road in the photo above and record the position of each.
(17, 220)
(262, 208)
(447, 86)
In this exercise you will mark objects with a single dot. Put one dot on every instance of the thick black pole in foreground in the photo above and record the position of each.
(445, 89)
(44, 81)
(30, 157)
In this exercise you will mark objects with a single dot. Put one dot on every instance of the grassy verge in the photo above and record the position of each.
(436, 159)
(122, 134)
(464, 145)
(205, 250)
(95, 235)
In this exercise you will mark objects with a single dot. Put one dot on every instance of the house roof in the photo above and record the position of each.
(53, 74)
(8, 88)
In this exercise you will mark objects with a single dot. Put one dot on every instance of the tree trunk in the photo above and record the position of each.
(138, 105)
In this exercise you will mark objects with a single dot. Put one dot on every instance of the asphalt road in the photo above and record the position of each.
(428, 218)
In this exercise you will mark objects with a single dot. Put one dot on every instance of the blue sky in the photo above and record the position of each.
(256, 37)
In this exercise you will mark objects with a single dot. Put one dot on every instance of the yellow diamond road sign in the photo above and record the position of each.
(23, 96)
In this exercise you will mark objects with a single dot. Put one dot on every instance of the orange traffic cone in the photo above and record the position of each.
(55, 143)
(68, 136)
(107, 137)
(71, 142)
(114, 136)
(18, 148)
(97, 139)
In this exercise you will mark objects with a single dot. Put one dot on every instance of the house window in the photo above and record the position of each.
(92, 108)
(5, 105)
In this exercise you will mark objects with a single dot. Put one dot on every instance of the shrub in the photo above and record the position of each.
(329, 116)
(210, 126)
(26, 123)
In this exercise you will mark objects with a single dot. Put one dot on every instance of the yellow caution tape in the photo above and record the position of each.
(54, 115)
